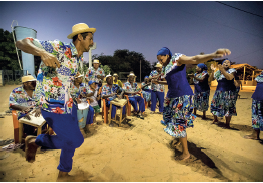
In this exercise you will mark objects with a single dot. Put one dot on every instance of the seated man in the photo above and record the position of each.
(132, 89)
(78, 93)
(109, 92)
(22, 99)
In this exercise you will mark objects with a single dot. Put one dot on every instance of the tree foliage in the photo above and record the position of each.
(126, 61)
(8, 55)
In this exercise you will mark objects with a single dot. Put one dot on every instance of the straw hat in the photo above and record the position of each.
(80, 28)
(81, 75)
(96, 61)
(28, 78)
(115, 74)
(131, 74)
(158, 65)
(105, 79)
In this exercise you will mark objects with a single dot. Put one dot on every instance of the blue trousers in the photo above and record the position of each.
(68, 136)
(154, 96)
(135, 100)
(114, 108)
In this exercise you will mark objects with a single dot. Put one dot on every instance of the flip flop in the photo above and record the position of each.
(5, 142)
(250, 137)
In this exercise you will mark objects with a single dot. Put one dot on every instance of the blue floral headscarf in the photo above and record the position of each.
(202, 66)
(164, 51)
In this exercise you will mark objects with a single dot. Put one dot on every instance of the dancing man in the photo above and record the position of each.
(55, 75)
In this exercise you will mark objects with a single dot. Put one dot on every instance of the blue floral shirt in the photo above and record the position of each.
(53, 84)
(129, 88)
(19, 97)
(218, 75)
(75, 92)
(106, 90)
(147, 87)
(92, 74)
(156, 87)
(259, 78)
(199, 76)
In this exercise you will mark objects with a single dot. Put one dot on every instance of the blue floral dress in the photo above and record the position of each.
(178, 103)
(257, 104)
(146, 92)
(224, 99)
(202, 92)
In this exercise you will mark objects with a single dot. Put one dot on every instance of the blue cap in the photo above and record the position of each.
(90, 82)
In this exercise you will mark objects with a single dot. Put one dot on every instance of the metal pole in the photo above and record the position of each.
(244, 75)
(140, 71)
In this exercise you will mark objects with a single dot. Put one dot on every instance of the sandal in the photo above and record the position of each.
(5, 142)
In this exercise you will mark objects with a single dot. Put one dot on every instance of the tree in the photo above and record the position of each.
(8, 55)
(126, 61)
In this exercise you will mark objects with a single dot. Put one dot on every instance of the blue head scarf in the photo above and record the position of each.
(146, 77)
(202, 66)
(164, 51)
(225, 60)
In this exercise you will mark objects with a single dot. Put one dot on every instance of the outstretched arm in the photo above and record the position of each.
(203, 58)
(27, 46)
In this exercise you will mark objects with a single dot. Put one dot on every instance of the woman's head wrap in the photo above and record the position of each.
(202, 66)
(164, 51)
(225, 60)
(146, 77)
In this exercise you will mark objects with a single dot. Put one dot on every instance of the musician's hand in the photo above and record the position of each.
(37, 112)
(27, 116)
(119, 96)
(49, 59)
(213, 67)
(220, 67)
(91, 100)
(155, 81)
(78, 100)
(26, 109)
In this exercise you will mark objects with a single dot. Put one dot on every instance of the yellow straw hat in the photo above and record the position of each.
(158, 65)
(80, 28)
(28, 78)
(115, 74)
(96, 61)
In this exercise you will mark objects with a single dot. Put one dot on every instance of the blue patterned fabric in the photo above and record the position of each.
(257, 114)
(201, 100)
(177, 115)
(224, 103)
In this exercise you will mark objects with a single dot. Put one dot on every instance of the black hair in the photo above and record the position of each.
(84, 35)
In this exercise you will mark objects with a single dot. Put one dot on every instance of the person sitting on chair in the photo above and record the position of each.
(132, 89)
(109, 92)
(78, 93)
(22, 99)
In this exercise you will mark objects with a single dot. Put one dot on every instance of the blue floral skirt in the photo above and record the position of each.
(146, 95)
(201, 100)
(177, 115)
(224, 103)
(257, 114)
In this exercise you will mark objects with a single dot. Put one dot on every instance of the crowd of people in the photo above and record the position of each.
(70, 101)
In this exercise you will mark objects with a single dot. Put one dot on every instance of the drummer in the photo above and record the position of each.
(78, 93)
(109, 92)
(22, 99)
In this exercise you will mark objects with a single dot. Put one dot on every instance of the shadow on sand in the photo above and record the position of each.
(198, 161)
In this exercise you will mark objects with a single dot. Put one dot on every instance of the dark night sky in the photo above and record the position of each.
(184, 27)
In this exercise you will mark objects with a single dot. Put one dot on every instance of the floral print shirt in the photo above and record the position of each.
(147, 87)
(156, 87)
(171, 65)
(53, 84)
(199, 76)
(19, 97)
(75, 92)
(92, 74)
(259, 78)
(129, 88)
(106, 90)
(219, 76)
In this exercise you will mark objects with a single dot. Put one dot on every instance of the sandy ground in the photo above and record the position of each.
(141, 151)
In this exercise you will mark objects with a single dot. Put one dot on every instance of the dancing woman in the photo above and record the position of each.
(202, 89)
(257, 109)
(224, 100)
(178, 104)
(146, 89)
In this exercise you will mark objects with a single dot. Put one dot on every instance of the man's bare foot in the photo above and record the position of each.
(252, 136)
(63, 177)
(183, 157)
(31, 148)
